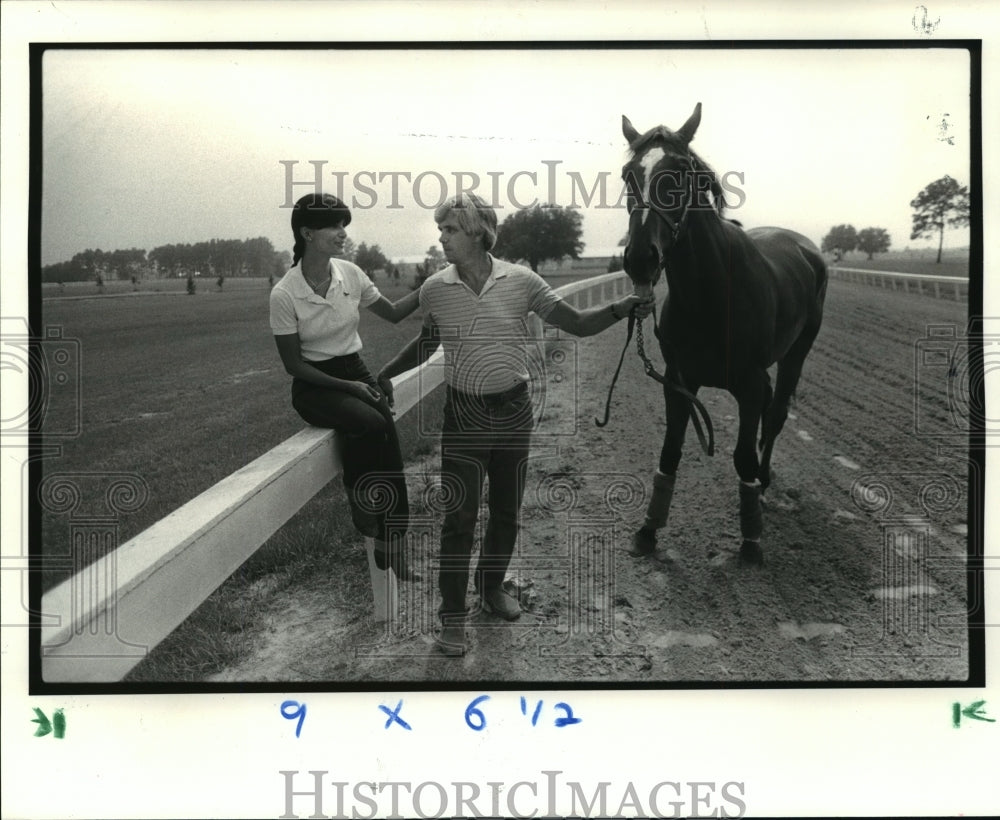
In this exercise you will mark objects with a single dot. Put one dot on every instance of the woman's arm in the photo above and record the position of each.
(290, 351)
(396, 311)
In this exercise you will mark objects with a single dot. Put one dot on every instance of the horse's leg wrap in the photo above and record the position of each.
(751, 520)
(659, 504)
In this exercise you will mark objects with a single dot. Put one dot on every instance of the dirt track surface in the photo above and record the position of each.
(864, 536)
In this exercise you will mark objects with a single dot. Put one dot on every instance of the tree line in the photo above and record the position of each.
(220, 258)
(942, 204)
(529, 236)
(532, 236)
(843, 239)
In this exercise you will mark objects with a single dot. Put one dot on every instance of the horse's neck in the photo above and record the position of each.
(695, 265)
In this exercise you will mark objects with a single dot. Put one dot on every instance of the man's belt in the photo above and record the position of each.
(492, 399)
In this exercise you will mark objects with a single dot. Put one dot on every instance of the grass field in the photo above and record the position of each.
(183, 390)
(953, 262)
(204, 285)
(179, 390)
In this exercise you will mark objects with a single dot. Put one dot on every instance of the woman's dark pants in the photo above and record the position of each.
(369, 447)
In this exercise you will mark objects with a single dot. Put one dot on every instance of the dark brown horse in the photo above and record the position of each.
(738, 302)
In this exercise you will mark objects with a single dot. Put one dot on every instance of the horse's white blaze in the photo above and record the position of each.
(648, 162)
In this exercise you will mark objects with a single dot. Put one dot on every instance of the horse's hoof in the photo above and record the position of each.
(643, 543)
(751, 555)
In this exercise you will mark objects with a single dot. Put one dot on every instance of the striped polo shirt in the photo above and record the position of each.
(327, 327)
(485, 337)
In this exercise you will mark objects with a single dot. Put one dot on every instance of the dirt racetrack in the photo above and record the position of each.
(864, 539)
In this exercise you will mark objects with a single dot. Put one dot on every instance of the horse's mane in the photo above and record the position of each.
(663, 134)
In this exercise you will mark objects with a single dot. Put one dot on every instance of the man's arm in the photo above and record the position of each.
(417, 351)
(594, 320)
(396, 311)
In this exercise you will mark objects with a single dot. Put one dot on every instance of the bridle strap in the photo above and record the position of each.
(676, 227)
(707, 440)
(706, 435)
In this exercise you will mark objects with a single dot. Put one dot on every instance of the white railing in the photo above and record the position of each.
(941, 287)
(102, 621)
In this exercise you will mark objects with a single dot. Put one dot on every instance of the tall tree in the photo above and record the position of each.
(281, 261)
(350, 250)
(540, 233)
(259, 257)
(370, 259)
(434, 260)
(873, 240)
(841, 239)
(942, 203)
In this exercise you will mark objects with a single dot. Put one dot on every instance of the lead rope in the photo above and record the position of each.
(614, 380)
(707, 443)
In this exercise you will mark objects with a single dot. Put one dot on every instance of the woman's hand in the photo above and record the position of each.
(385, 385)
(365, 392)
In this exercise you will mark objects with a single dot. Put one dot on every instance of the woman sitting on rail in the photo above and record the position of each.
(314, 318)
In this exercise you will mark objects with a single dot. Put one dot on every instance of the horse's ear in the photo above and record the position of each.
(629, 130)
(687, 130)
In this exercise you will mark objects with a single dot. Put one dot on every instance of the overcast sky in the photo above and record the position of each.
(144, 148)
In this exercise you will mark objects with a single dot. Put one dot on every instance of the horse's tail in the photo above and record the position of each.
(818, 264)
(811, 253)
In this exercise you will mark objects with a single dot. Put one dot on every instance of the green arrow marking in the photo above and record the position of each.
(56, 727)
(975, 711)
(44, 727)
(59, 724)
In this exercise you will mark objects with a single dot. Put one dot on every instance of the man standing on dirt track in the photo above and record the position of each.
(477, 308)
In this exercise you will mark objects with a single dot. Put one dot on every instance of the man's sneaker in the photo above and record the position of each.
(500, 603)
(451, 640)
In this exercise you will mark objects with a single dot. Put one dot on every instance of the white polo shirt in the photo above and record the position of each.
(328, 326)
(485, 337)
